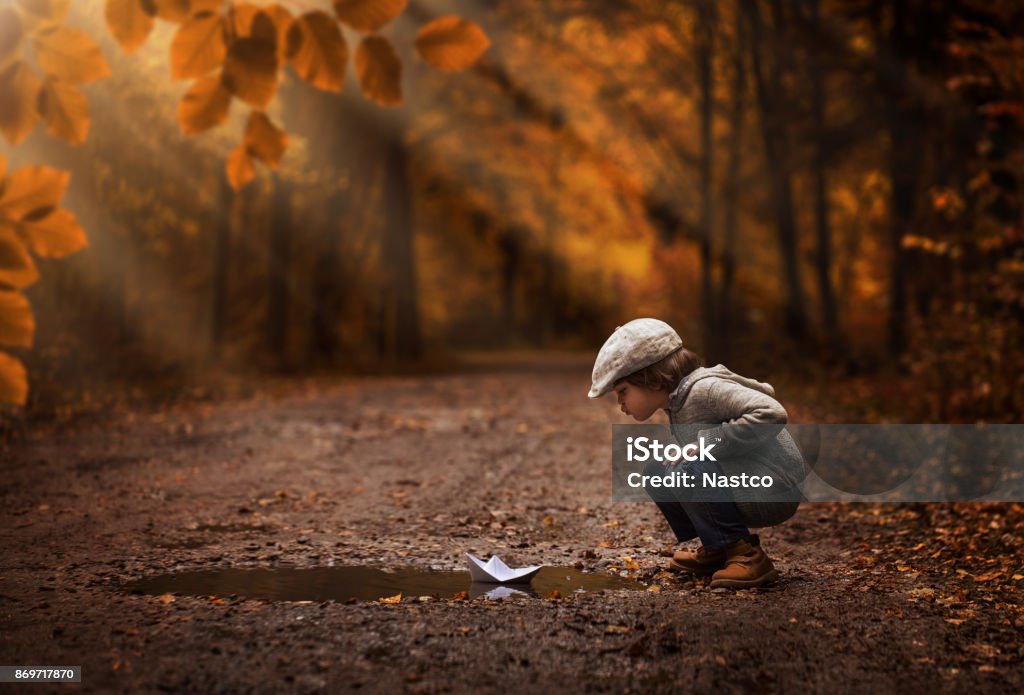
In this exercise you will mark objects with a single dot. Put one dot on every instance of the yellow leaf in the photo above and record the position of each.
(198, 46)
(31, 189)
(19, 92)
(177, 10)
(70, 55)
(397, 598)
(54, 235)
(368, 15)
(250, 71)
(10, 35)
(317, 50)
(451, 43)
(128, 22)
(264, 140)
(13, 380)
(17, 325)
(166, 598)
(65, 110)
(205, 105)
(379, 71)
(45, 11)
(239, 168)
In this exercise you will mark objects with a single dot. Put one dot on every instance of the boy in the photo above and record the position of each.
(645, 364)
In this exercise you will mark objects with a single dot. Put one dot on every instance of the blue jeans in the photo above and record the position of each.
(710, 514)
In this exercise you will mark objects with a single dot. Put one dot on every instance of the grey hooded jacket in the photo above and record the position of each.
(741, 417)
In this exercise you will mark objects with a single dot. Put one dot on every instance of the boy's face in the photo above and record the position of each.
(639, 402)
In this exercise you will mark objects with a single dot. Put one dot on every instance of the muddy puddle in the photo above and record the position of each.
(358, 583)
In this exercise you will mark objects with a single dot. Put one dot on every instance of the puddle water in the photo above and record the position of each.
(367, 583)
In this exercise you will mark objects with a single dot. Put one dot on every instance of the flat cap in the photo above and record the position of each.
(633, 346)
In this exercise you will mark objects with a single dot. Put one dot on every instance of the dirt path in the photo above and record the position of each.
(411, 472)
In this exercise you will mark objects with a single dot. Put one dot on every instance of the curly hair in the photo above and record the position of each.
(666, 373)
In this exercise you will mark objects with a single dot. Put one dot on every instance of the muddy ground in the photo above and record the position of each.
(413, 471)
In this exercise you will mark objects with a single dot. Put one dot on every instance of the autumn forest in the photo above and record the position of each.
(318, 285)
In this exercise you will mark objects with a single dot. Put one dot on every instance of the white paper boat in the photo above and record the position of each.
(494, 571)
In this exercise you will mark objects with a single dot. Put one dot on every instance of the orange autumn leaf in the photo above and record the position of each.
(198, 46)
(280, 19)
(317, 50)
(13, 380)
(379, 70)
(397, 598)
(31, 189)
(250, 71)
(17, 268)
(239, 168)
(368, 15)
(241, 16)
(451, 43)
(204, 105)
(19, 92)
(65, 110)
(128, 22)
(69, 54)
(17, 325)
(263, 140)
(55, 234)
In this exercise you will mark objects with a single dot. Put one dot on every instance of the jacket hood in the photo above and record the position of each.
(679, 396)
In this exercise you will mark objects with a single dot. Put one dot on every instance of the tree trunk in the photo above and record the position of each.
(326, 267)
(823, 233)
(732, 174)
(705, 59)
(777, 158)
(279, 262)
(902, 176)
(511, 253)
(221, 258)
(399, 255)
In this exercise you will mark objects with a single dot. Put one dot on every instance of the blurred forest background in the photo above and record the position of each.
(815, 187)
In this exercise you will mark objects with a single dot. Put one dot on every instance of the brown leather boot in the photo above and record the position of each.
(702, 562)
(746, 566)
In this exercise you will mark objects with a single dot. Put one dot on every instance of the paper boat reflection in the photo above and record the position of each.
(489, 590)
